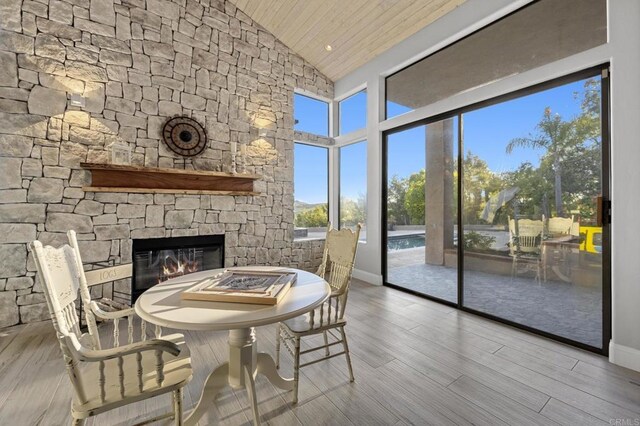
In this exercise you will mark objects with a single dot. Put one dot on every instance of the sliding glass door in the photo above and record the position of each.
(532, 242)
(533, 247)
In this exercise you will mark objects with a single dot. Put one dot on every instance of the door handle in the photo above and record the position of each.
(603, 211)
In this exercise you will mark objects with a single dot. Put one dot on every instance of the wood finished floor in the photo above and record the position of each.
(415, 362)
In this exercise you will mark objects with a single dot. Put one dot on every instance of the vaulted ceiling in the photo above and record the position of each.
(356, 30)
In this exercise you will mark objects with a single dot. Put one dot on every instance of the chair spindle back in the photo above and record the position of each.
(84, 292)
(336, 268)
(57, 270)
(525, 235)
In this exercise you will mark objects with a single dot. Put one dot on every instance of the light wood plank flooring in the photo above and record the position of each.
(415, 362)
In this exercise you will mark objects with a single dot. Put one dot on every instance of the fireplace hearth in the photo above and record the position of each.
(158, 259)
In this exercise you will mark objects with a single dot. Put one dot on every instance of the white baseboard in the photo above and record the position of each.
(367, 277)
(624, 356)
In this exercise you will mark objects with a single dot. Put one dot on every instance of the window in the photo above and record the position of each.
(311, 115)
(540, 33)
(353, 113)
(311, 190)
(353, 186)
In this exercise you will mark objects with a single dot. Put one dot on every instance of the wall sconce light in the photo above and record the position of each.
(77, 100)
(262, 133)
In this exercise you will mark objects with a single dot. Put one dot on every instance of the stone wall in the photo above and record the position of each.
(136, 62)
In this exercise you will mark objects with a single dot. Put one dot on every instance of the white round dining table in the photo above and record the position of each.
(162, 305)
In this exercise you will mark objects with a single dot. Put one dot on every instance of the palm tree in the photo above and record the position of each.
(558, 137)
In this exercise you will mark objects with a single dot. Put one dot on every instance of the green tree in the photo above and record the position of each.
(479, 184)
(555, 135)
(581, 178)
(312, 218)
(590, 104)
(396, 194)
(566, 140)
(414, 200)
(534, 188)
(353, 211)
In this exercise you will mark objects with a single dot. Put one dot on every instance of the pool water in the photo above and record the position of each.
(402, 242)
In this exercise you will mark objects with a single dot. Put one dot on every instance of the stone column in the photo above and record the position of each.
(439, 220)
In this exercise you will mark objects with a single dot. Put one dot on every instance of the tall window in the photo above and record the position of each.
(311, 115)
(353, 186)
(353, 113)
(311, 190)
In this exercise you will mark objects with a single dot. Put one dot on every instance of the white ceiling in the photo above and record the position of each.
(357, 30)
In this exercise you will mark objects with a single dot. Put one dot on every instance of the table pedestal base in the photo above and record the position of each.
(240, 372)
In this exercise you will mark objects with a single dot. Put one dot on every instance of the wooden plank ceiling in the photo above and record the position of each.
(357, 30)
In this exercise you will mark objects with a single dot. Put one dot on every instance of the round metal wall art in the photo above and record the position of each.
(184, 136)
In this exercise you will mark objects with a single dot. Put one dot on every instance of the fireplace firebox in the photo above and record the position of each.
(158, 259)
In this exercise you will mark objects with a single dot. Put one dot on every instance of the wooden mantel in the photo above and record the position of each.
(125, 178)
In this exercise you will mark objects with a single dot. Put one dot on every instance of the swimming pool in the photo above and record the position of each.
(401, 242)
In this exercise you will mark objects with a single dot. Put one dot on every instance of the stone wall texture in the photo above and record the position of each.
(135, 63)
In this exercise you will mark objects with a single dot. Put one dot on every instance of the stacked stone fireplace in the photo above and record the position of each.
(78, 76)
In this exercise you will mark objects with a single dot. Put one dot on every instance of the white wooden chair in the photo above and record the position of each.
(337, 267)
(559, 225)
(104, 379)
(525, 242)
(106, 309)
(556, 227)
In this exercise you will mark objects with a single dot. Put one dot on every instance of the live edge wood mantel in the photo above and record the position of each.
(125, 178)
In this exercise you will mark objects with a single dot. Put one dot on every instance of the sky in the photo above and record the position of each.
(353, 158)
(353, 170)
(311, 115)
(487, 131)
(310, 173)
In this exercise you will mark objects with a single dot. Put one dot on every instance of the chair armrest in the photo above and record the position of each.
(111, 304)
(90, 355)
(104, 315)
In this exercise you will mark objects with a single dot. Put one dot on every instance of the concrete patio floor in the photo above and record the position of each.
(557, 307)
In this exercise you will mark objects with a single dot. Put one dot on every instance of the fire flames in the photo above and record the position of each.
(173, 268)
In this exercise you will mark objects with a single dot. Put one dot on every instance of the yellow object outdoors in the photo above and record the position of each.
(591, 239)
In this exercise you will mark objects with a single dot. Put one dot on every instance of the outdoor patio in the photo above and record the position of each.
(557, 307)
